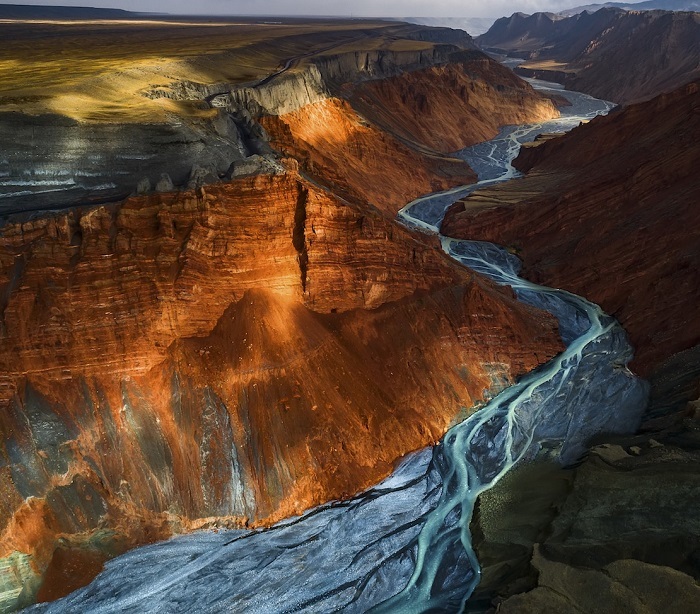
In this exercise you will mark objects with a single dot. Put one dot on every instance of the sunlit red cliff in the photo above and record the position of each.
(236, 353)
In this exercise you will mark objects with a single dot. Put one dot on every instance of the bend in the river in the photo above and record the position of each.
(412, 530)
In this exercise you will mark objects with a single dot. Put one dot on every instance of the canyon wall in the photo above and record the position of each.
(606, 53)
(609, 211)
(449, 107)
(53, 161)
(225, 357)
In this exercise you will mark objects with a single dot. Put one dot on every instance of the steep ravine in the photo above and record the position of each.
(187, 360)
(353, 133)
(619, 532)
(610, 211)
(414, 527)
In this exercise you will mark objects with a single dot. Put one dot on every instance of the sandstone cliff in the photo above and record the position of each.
(225, 357)
(606, 53)
(609, 211)
(359, 134)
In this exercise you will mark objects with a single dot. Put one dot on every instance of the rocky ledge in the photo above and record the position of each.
(618, 533)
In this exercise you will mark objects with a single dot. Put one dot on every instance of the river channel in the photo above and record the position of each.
(405, 545)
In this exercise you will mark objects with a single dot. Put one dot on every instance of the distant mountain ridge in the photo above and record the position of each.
(648, 5)
(27, 11)
(611, 53)
(474, 25)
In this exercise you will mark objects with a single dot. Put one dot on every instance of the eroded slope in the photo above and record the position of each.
(232, 357)
(609, 211)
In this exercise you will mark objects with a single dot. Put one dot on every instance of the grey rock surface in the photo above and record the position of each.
(51, 161)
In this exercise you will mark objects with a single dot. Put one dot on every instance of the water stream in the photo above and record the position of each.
(405, 545)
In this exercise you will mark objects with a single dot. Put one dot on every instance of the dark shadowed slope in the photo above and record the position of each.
(610, 211)
(610, 54)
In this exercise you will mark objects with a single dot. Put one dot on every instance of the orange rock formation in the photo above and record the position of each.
(332, 142)
(226, 357)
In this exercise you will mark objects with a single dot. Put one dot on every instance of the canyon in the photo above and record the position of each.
(267, 337)
(191, 116)
(222, 322)
(605, 53)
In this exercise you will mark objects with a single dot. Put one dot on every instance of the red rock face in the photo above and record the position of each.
(610, 211)
(385, 145)
(335, 145)
(223, 358)
(447, 108)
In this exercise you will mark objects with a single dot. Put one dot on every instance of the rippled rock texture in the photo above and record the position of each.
(229, 356)
(605, 53)
(609, 211)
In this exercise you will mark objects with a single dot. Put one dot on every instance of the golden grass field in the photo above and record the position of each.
(100, 70)
(547, 65)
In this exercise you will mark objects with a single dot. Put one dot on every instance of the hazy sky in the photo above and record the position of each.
(358, 8)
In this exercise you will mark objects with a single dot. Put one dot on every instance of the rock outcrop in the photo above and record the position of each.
(605, 53)
(609, 211)
(225, 357)
(50, 160)
(337, 147)
(618, 533)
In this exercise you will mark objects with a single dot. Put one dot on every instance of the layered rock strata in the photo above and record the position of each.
(337, 147)
(236, 352)
(609, 211)
(225, 357)
(449, 107)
